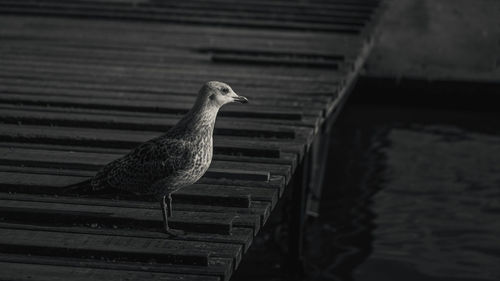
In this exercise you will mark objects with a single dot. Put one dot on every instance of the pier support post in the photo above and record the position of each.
(295, 260)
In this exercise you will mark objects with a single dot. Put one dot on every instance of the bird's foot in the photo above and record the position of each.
(174, 232)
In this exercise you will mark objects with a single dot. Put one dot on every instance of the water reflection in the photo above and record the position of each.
(409, 200)
(432, 212)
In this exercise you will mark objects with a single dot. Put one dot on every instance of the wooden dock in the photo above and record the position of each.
(83, 81)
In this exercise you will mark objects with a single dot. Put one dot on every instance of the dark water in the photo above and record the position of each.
(410, 195)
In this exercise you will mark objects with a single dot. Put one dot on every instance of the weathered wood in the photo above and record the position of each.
(259, 194)
(276, 182)
(183, 92)
(146, 106)
(123, 139)
(132, 34)
(305, 120)
(219, 223)
(82, 70)
(73, 11)
(254, 10)
(194, 218)
(256, 207)
(245, 221)
(76, 93)
(36, 272)
(286, 158)
(81, 63)
(155, 120)
(217, 195)
(34, 116)
(30, 95)
(129, 139)
(108, 247)
(218, 267)
(93, 161)
(53, 181)
(146, 57)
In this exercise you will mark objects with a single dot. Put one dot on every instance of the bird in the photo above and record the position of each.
(173, 160)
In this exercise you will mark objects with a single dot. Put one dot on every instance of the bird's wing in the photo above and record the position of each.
(151, 161)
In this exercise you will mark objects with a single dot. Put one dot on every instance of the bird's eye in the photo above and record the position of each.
(225, 90)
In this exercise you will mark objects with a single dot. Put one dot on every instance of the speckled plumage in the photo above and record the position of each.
(178, 158)
(166, 163)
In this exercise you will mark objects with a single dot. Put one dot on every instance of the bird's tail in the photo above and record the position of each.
(83, 187)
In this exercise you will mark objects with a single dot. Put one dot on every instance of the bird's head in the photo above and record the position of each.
(219, 94)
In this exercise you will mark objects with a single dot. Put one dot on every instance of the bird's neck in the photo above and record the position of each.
(200, 119)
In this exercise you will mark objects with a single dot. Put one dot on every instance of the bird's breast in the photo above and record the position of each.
(201, 157)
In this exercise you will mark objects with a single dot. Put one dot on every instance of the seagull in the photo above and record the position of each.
(176, 159)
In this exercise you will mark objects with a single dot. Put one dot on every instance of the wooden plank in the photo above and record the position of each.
(136, 34)
(25, 181)
(195, 8)
(164, 72)
(33, 116)
(308, 121)
(123, 241)
(272, 169)
(204, 222)
(258, 194)
(22, 93)
(193, 218)
(199, 225)
(200, 59)
(129, 139)
(276, 182)
(218, 267)
(185, 92)
(93, 109)
(238, 234)
(291, 103)
(30, 165)
(24, 8)
(286, 158)
(251, 9)
(198, 194)
(172, 69)
(244, 220)
(53, 181)
(228, 145)
(143, 58)
(181, 85)
(219, 245)
(123, 139)
(99, 246)
(238, 75)
(259, 110)
(40, 180)
(173, 61)
(93, 161)
(36, 272)
(209, 222)
(148, 106)
(325, 6)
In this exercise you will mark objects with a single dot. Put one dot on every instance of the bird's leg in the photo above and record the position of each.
(164, 210)
(169, 205)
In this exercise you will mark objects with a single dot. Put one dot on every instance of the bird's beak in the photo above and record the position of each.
(240, 99)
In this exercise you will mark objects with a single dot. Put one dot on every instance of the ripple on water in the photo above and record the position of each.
(437, 213)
